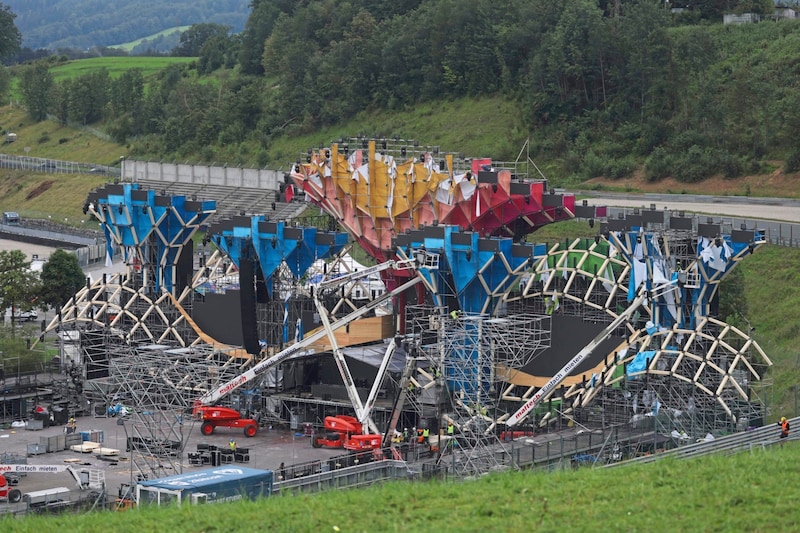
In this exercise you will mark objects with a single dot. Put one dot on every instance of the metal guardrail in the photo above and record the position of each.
(347, 477)
(55, 166)
(46, 235)
(775, 232)
(737, 442)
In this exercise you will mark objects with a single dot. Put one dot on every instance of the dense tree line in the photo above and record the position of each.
(605, 87)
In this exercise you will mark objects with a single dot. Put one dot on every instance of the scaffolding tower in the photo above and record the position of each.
(462, 354)
(152, 387)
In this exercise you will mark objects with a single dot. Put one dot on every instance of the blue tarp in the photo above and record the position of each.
(639, 363)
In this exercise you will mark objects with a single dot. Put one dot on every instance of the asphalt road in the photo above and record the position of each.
(788, 211)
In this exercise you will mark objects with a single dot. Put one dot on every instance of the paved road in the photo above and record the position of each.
(787, 211)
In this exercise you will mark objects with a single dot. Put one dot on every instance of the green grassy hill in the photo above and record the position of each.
(746, 492)
(115, 65)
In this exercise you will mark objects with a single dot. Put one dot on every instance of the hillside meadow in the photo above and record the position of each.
(115, 65)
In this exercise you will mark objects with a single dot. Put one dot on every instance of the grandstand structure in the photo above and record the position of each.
(492, 326)
(235, 191)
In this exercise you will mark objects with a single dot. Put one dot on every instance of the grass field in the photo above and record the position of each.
(442, 123)
(133, 44)
(115, 65)
(51, 140)
(746, 492)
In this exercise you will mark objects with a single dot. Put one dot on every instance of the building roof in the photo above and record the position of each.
(197, 479)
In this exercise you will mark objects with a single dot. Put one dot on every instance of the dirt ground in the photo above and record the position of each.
(774, 184)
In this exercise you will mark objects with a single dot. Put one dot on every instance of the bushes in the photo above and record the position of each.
(659, 165)
(792, 162)
(694, 165)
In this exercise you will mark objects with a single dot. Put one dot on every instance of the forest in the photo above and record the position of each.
(605, 88)
(55, 24)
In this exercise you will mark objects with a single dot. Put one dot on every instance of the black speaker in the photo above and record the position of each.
(184, 269)
(247, 301)
(262, 294)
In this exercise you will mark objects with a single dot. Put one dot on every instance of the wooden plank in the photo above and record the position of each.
(361, 331)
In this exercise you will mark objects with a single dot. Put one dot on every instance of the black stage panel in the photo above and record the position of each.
(220, 316)
(569, 336)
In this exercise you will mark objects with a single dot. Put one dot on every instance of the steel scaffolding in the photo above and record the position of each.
(152, 387)
(459, 379)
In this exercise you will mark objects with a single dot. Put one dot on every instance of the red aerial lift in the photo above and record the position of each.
(213, 417)
(337, 431)
(7, 493)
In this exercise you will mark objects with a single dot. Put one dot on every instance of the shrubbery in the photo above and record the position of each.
(792, 161)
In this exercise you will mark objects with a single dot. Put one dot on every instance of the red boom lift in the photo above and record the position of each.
(214, 417)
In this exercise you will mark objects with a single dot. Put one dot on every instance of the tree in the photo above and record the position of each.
(193, 39)
(19, 285)
(10, 37)
(36, 84)
(61, 278)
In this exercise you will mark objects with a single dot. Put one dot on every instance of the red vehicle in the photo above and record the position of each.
(344, 431)
(337, 430)
(360, 443)
(7, 494)
(214, 417)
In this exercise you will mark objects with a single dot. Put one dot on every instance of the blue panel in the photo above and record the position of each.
(145, 220)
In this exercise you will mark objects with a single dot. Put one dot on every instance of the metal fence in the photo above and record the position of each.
(758, 438)
(54, 166)
(340, 472)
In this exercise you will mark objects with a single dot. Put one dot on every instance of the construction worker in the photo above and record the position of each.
(405, 434)
(784, 424)
(455, 313)
(420, 433)
(71, 426)
(451, 429)
(232, 444)
(426, 433)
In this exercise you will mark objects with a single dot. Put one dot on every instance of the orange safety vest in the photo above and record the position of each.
(785, 427)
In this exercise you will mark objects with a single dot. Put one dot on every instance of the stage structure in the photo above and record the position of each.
(278, 256)
(463, 337)
(273, 244)
(674, 365)
(156, 229)
(152, 387)
(617, 330)
(377, 189)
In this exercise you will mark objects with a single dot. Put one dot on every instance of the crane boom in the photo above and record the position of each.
(562, 374)
(213, 396)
